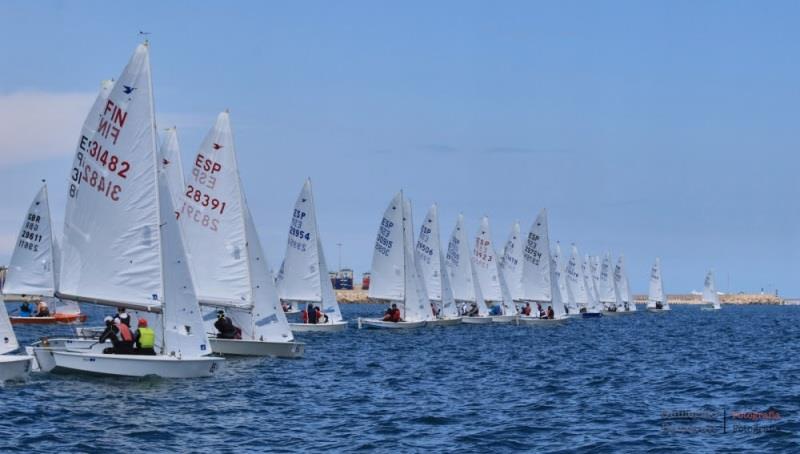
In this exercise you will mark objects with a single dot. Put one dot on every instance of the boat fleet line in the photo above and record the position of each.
(177, 246)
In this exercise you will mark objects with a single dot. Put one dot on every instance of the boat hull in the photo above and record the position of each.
(534, 321)
(591, 315)
(476, 320)
(318, 327)
(445, 321)
(15, 367)
(242, 347)
(375, 323)
(503, 318)
(137, 365)
(613, 313)
(55, 319)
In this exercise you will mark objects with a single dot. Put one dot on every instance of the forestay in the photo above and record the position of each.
(536, 272)
(459, 264)
(112, 245)
(512, 263)
(212, 215)
(32, 267)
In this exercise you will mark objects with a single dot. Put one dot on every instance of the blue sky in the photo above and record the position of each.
(646, 128)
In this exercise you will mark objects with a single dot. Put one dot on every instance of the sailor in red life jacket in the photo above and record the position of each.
(125, 344)
(304, 315)
(527, 309)
(395, 314)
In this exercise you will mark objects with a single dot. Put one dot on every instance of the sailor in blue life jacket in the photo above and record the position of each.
(496, 310)
(25, 310)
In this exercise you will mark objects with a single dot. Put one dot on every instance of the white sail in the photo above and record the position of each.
(623, 287)
(480, 302)
(265, 321)
(557, 300)
(8, 340)
(484, 261)
(459, 264)
(433, 267)
(212, 216)
(536, 272)
(112, 247)
(710, 291)
(593, 304)
(171, 163)
(656, 293)
(328, 305)
(181, 320)
(605, 282)
(416, 305)
(591, 272)
(561, 276)
(428, 250)
(575, 280)
(387, 275)
(300, 273)
(513, 263)
(32, 267)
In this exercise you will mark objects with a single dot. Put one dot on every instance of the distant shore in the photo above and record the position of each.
(359, 296)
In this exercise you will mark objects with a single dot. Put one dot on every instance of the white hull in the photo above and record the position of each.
(137, 365)
(241, 347)
(476, 320)
(542, 321)
(610, 313)
(43, 360)
(652, 309)
(380, 324)
(710, 308)
(503, 318)
(14, 367)
(318, 327)
(445, 321)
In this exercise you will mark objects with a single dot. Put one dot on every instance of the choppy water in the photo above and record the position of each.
(592, 385)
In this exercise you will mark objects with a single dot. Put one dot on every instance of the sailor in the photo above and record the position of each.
(145, 338)
(395, 313)
(550, 312)
(527, 309)
(387, 316)
(42, 310)
(124, 318)
(321, 317)
(125, 345)
(312, 314)
(540, 310)
(473, 310)
(496, 310)
(25, 310)
(659, 305)
(224, 326)
(110, 334)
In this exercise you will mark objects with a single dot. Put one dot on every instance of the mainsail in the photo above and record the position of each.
(304, 275)
(112, 240)
(513, 263)
(32, 267)
(490, 277)
(432, 264)
(576, 283)
(537, 274)
(459, 264)
(656, 294)
(622, 285)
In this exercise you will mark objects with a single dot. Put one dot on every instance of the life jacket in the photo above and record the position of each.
(147, 338)
(125, 332)
(305, 316)
(396, 315)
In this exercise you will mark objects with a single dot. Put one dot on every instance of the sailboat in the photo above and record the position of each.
(12, 367)
(577, 285)
(607, 291)
(123, 246)
(230, 270)
(512, 263)
(304, 280)
(396, 277)
(491, 280)
(570, 305)
(432, 264)
(466, 290)
(710, 295)
(656, 298)
(32, 273)
(539, 281)
(623, 286)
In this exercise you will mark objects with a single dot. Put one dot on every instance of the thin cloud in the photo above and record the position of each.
(40, 125)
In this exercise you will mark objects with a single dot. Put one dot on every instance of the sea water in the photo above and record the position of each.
(688, 380)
